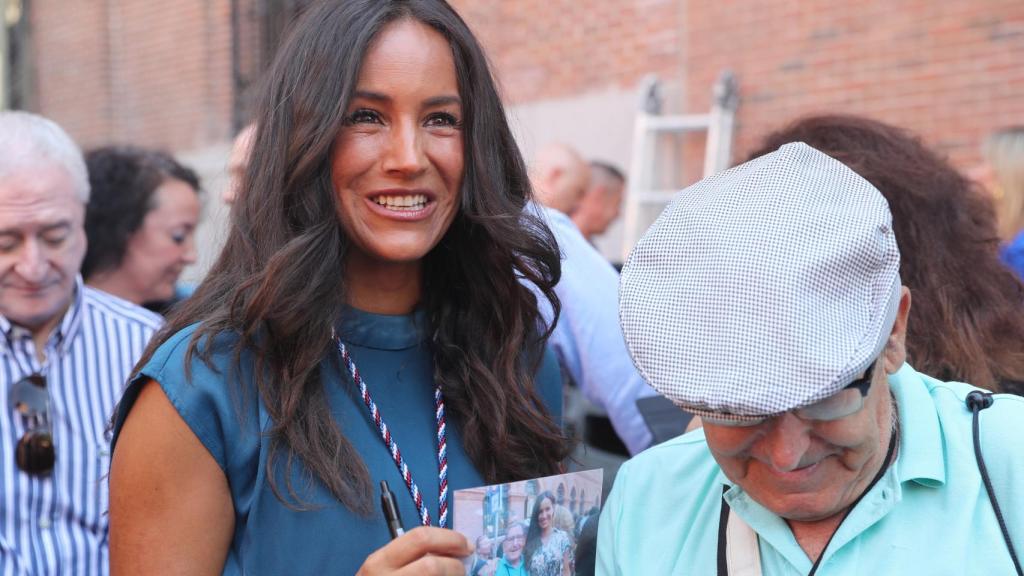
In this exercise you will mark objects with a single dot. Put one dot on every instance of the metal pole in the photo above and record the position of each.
(5, 56)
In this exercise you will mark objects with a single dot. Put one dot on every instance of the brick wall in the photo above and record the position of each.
(950, 70)
(547, 49)
(149, 73)
(160, 73)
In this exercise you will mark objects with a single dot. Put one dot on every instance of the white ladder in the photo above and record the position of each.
(650, 124)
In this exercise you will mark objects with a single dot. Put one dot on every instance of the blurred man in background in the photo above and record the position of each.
(601, 201)
(588, 339)
(559, 177)
(237, 162)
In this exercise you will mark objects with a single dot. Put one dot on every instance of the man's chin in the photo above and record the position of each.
(32, 314)
(804, 510)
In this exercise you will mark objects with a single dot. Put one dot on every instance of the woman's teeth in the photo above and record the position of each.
(402, 203)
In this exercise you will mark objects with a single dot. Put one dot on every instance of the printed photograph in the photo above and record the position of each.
(539, 527)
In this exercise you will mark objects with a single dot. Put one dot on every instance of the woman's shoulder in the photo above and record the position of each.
(211, 392)
(215, 349)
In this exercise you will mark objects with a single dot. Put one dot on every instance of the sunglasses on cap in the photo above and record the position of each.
(844, 403)
(35, 453)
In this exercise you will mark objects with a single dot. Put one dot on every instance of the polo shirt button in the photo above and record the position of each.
(45, 523)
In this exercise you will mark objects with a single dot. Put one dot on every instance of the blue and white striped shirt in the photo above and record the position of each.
(57, 524)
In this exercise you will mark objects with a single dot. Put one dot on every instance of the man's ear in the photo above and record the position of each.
(896, 347)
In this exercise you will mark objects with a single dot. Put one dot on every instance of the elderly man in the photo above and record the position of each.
(65, 352)
(588, 339)
(601, 201)
(768, 300)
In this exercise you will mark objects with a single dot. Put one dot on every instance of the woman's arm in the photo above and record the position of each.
(171, 511)
(170, 505)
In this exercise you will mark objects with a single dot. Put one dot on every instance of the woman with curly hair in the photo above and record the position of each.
(367, 320)
(967, 321)
(140, 222)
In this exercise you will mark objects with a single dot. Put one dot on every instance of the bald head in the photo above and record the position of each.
(238, 161)
(29, 141)
(600, 203)
(559, 177)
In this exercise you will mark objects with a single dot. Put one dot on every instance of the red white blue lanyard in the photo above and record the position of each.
(396, 454)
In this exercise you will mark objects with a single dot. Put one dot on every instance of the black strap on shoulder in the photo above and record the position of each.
(723, 525)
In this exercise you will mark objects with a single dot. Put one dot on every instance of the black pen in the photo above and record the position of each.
(387, 504)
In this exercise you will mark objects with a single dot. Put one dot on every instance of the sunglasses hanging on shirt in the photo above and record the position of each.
(35, 453)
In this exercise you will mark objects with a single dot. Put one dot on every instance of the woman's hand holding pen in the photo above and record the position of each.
(424, 550)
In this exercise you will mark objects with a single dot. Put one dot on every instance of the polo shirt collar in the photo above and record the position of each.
(921, 455)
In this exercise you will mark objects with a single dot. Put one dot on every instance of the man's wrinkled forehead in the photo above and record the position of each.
(42, 191)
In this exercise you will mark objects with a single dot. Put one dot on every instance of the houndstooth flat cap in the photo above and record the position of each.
(763, 288)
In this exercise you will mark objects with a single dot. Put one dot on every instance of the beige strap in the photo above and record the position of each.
(743, 556)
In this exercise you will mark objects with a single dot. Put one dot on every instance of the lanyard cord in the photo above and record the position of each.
(396, 454)
(976, 402)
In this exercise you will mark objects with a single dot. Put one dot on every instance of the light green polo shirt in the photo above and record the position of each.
(929, 514)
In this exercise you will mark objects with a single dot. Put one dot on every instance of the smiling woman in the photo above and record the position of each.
(549, 550)
(365, 321)
(139, 222)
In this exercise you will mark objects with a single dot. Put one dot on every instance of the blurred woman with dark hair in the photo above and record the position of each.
(140, 222)
(549, 550)
(365, 320)
(967, 320)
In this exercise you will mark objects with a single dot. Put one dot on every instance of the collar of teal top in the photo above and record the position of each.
(922, 458)
(383, 331)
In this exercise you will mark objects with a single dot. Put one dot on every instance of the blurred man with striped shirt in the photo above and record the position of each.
(65, 352)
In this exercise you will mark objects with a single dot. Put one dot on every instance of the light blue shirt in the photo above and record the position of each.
(929, 514)
(588, 339)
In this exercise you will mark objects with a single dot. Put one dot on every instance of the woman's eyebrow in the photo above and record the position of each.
(431, 102)
(442, 101)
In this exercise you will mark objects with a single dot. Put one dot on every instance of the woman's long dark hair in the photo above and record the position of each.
(279, 282)
(967, 318)
(533, 534)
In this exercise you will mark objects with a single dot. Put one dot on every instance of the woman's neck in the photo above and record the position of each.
(113, 282)
(382, 287)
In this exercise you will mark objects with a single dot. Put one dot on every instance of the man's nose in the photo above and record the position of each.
(786, 443)
(32, 263)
